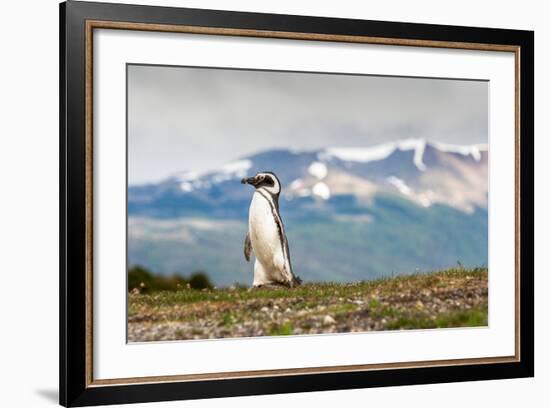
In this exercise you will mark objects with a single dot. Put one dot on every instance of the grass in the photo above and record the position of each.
(309, 290)
(284, 329)
(454, 297)
(463, 318)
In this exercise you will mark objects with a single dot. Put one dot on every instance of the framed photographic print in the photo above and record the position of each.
(256, 203)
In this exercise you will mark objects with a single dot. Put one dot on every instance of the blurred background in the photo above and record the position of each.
(381, 175)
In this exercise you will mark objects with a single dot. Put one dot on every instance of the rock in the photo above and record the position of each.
(264, 309)
(329, 320)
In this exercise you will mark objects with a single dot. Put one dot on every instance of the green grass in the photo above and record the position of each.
(463, 318)
(455, 297)
(309, 290)
(227, 319)
(284, 329)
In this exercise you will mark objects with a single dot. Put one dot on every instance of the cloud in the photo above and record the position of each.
(183, 118)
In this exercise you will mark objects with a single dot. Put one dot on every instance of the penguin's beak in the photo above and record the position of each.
(249, 180)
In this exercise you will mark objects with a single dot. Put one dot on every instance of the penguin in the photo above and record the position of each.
(266, 234)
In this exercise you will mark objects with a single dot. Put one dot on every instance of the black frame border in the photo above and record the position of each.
(73, 390)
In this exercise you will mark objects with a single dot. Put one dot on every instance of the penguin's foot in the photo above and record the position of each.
(256, 287)
(268, 286)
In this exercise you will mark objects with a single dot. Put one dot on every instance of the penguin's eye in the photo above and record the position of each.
(269, 181)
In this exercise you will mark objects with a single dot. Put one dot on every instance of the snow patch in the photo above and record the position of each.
(360, 154)
(321, 190)
(296, 184)
(187, 176)
(303, 193)
(221, 177)
(237, 168)
(379, 152)
(200, 184)
(400, 185)
(424, 201)
(186, 186)
(419, 146)
(468, 150)
(318, 169)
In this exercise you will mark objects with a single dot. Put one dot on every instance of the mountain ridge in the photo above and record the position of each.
(424, 172)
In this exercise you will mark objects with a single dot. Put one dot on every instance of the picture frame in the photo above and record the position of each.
(78, 161)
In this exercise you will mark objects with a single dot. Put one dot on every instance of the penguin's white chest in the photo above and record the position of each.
(264, 232)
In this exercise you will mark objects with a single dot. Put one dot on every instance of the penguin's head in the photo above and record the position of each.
(264, 180)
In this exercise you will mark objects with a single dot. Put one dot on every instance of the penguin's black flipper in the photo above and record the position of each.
(247, 247)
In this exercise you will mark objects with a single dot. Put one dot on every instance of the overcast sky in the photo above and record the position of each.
(198, 119)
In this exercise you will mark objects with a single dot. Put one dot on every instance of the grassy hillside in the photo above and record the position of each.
(449, 298)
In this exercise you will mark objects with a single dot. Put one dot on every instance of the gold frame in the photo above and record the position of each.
(99, 24)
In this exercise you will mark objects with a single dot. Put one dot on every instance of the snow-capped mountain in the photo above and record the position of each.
(339, 179)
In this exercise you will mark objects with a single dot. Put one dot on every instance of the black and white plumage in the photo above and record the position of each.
(266, 234)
